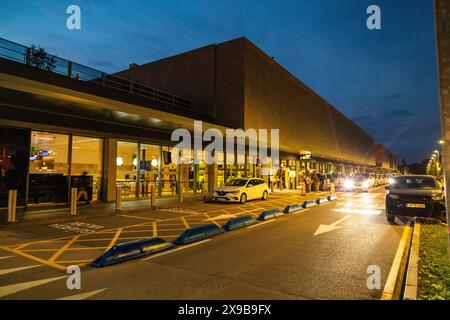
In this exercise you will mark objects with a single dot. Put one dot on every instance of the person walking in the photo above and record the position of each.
(83, 187)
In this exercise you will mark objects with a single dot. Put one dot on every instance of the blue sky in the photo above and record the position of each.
(385, 80)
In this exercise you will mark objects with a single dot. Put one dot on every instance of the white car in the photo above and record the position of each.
(241, 190)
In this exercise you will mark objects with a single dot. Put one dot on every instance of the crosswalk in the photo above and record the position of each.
(15, 281)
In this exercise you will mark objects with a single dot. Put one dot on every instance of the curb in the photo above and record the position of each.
(394, 283)
(411, 286)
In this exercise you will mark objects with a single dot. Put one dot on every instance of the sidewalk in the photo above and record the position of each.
(37, 216)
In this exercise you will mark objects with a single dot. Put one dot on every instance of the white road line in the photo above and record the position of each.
(14, 288)
(82, 296)
(1, 258)
(260, 224)
(6, 271)
(175, 250)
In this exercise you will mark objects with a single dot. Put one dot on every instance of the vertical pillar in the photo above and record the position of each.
(160, 164)
(12, 205)
(109, 169)
(442, 13)
(73, 201)
(212, 178)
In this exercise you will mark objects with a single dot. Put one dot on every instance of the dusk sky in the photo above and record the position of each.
(385, 80)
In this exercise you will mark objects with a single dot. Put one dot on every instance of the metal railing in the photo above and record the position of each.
(19, 53)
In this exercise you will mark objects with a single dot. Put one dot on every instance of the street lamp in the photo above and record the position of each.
(441, 141)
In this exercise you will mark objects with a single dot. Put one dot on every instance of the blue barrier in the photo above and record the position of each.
(293, 208)
(239, 222)
(332, 197)
(270, 214)
(322, 200)
(131, 250)
(198, 233)
(309, 203)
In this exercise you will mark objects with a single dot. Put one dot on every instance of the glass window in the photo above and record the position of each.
(87, 158)
(13, 163)
(127, 162)
(48, 167)
(149, 163)
(169, 173)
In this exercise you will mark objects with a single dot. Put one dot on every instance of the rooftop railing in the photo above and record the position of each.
(31, 56)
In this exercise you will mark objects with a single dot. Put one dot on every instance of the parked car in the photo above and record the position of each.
(416, 196)
(241, 190)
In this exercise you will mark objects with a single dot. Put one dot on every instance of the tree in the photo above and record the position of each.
(39, 58)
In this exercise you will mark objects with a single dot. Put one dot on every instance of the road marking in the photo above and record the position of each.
(260, 224)
(137, 217)
(6, 271)
(175, 250)
(82, 296)
(63, 248)
(330, 227)
(185, 222)
(155, 229)
(14, 288)
(37, 259)
(114, 239)
(393, 277)
(6, 257)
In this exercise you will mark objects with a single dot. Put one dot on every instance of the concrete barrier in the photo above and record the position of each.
(131, 250)
(198, 233)
(270, 214)
(322, 200)
(293, 208)
(239, 222)
(309, 203)
(332, 197)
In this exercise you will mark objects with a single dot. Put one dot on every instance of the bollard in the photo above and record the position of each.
(73, 201)
(153, 196)
(203, 190)
(12, 205)
(272, 186)
(118, 205)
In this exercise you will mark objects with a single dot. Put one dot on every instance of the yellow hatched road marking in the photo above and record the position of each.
(114, 239)
(185, 222)
(37, 259)
(63, 248)
(212, 220)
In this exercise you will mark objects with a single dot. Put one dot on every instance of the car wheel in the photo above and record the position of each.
(389, 217)
(265, 195)
(243, 198)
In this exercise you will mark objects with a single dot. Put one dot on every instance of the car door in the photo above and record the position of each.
(251, 189)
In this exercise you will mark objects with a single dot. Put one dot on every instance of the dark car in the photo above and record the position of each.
(415, 196)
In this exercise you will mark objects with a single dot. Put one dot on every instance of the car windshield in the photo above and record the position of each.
(359, 179)
(236, 182)
(414, 183)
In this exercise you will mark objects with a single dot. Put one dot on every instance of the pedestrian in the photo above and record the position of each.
(83, 187)
(316, 183)
(308, 183)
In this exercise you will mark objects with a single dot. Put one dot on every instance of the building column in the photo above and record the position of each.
(212, 177)
(109, 170)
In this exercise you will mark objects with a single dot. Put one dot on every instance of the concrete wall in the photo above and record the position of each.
(241, 87)
(384, 158)
(276, 99)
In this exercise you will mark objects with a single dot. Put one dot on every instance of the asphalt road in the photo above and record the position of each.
(283, 259)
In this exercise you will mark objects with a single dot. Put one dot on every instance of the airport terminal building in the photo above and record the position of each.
(59, 119)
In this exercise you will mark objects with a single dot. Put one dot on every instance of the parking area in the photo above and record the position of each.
(88, 240)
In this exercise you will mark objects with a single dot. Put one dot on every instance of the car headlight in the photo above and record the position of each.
(365, 184)
(391, 181)
(394, 196)
(348, 184)
(438, 197)
(234, 192)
